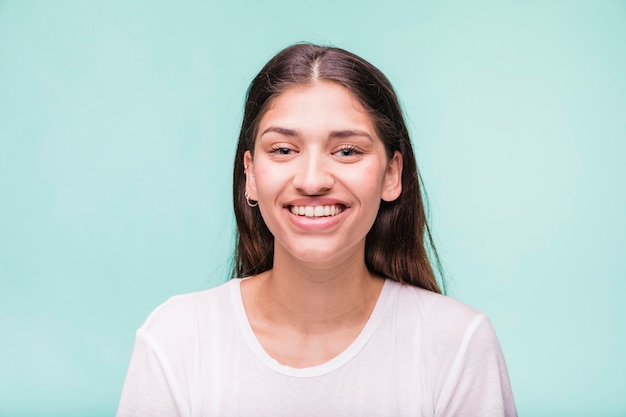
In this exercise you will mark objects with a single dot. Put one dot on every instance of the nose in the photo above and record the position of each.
(314, 176)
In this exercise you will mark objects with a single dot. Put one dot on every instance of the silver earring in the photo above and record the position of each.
(254, 204)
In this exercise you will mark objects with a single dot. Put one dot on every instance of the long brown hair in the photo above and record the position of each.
(399, 245)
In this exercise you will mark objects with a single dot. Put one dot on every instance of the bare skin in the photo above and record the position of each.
(306, 319)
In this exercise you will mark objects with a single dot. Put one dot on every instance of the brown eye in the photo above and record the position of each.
(347, 151)
(280, 150)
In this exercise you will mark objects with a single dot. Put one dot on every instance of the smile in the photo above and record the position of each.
(317, 211)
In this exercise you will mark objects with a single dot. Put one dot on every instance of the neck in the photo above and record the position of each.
(314, 298)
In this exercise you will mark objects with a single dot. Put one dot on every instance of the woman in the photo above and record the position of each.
(340, 313)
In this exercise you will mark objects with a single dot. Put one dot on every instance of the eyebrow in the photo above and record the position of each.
(340, 134)
(280, 130)
(335, 134)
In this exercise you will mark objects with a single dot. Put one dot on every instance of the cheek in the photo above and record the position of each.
(368, 179)
(268, 178)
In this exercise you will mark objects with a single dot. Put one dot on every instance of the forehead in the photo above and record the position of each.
(322, 105)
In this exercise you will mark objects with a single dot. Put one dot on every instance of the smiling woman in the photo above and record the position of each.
(338, 310)
(328, 159)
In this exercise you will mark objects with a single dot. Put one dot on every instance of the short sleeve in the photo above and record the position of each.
(477, 384)
(149, 388)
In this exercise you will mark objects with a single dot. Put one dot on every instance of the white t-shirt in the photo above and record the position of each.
(420, 354)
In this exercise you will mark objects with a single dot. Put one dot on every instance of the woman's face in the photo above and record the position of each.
(319, 173)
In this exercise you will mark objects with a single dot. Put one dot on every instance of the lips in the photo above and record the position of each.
(317, 211)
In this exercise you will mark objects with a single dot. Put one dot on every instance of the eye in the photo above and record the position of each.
(282, 151)
(348, 151)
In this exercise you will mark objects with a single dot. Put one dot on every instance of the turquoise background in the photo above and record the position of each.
(118, 123)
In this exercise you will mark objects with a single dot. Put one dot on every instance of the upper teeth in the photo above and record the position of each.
(316, 211)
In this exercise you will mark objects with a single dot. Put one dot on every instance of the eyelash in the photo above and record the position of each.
(351, 148)
(278, 150)
(285, 151)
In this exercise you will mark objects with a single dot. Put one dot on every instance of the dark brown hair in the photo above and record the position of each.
(399, 245)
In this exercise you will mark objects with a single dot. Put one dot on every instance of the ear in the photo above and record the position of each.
(248, 165)
(392, 182)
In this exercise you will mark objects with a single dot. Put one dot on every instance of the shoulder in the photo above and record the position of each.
(440, 319)
(185, 314)
(429, 304)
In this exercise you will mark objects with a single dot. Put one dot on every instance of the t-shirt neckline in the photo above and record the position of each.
(333, 364)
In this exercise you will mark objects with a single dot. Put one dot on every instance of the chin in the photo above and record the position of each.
(323, 255)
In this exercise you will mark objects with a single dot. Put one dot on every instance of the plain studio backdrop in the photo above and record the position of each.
(118, 125)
